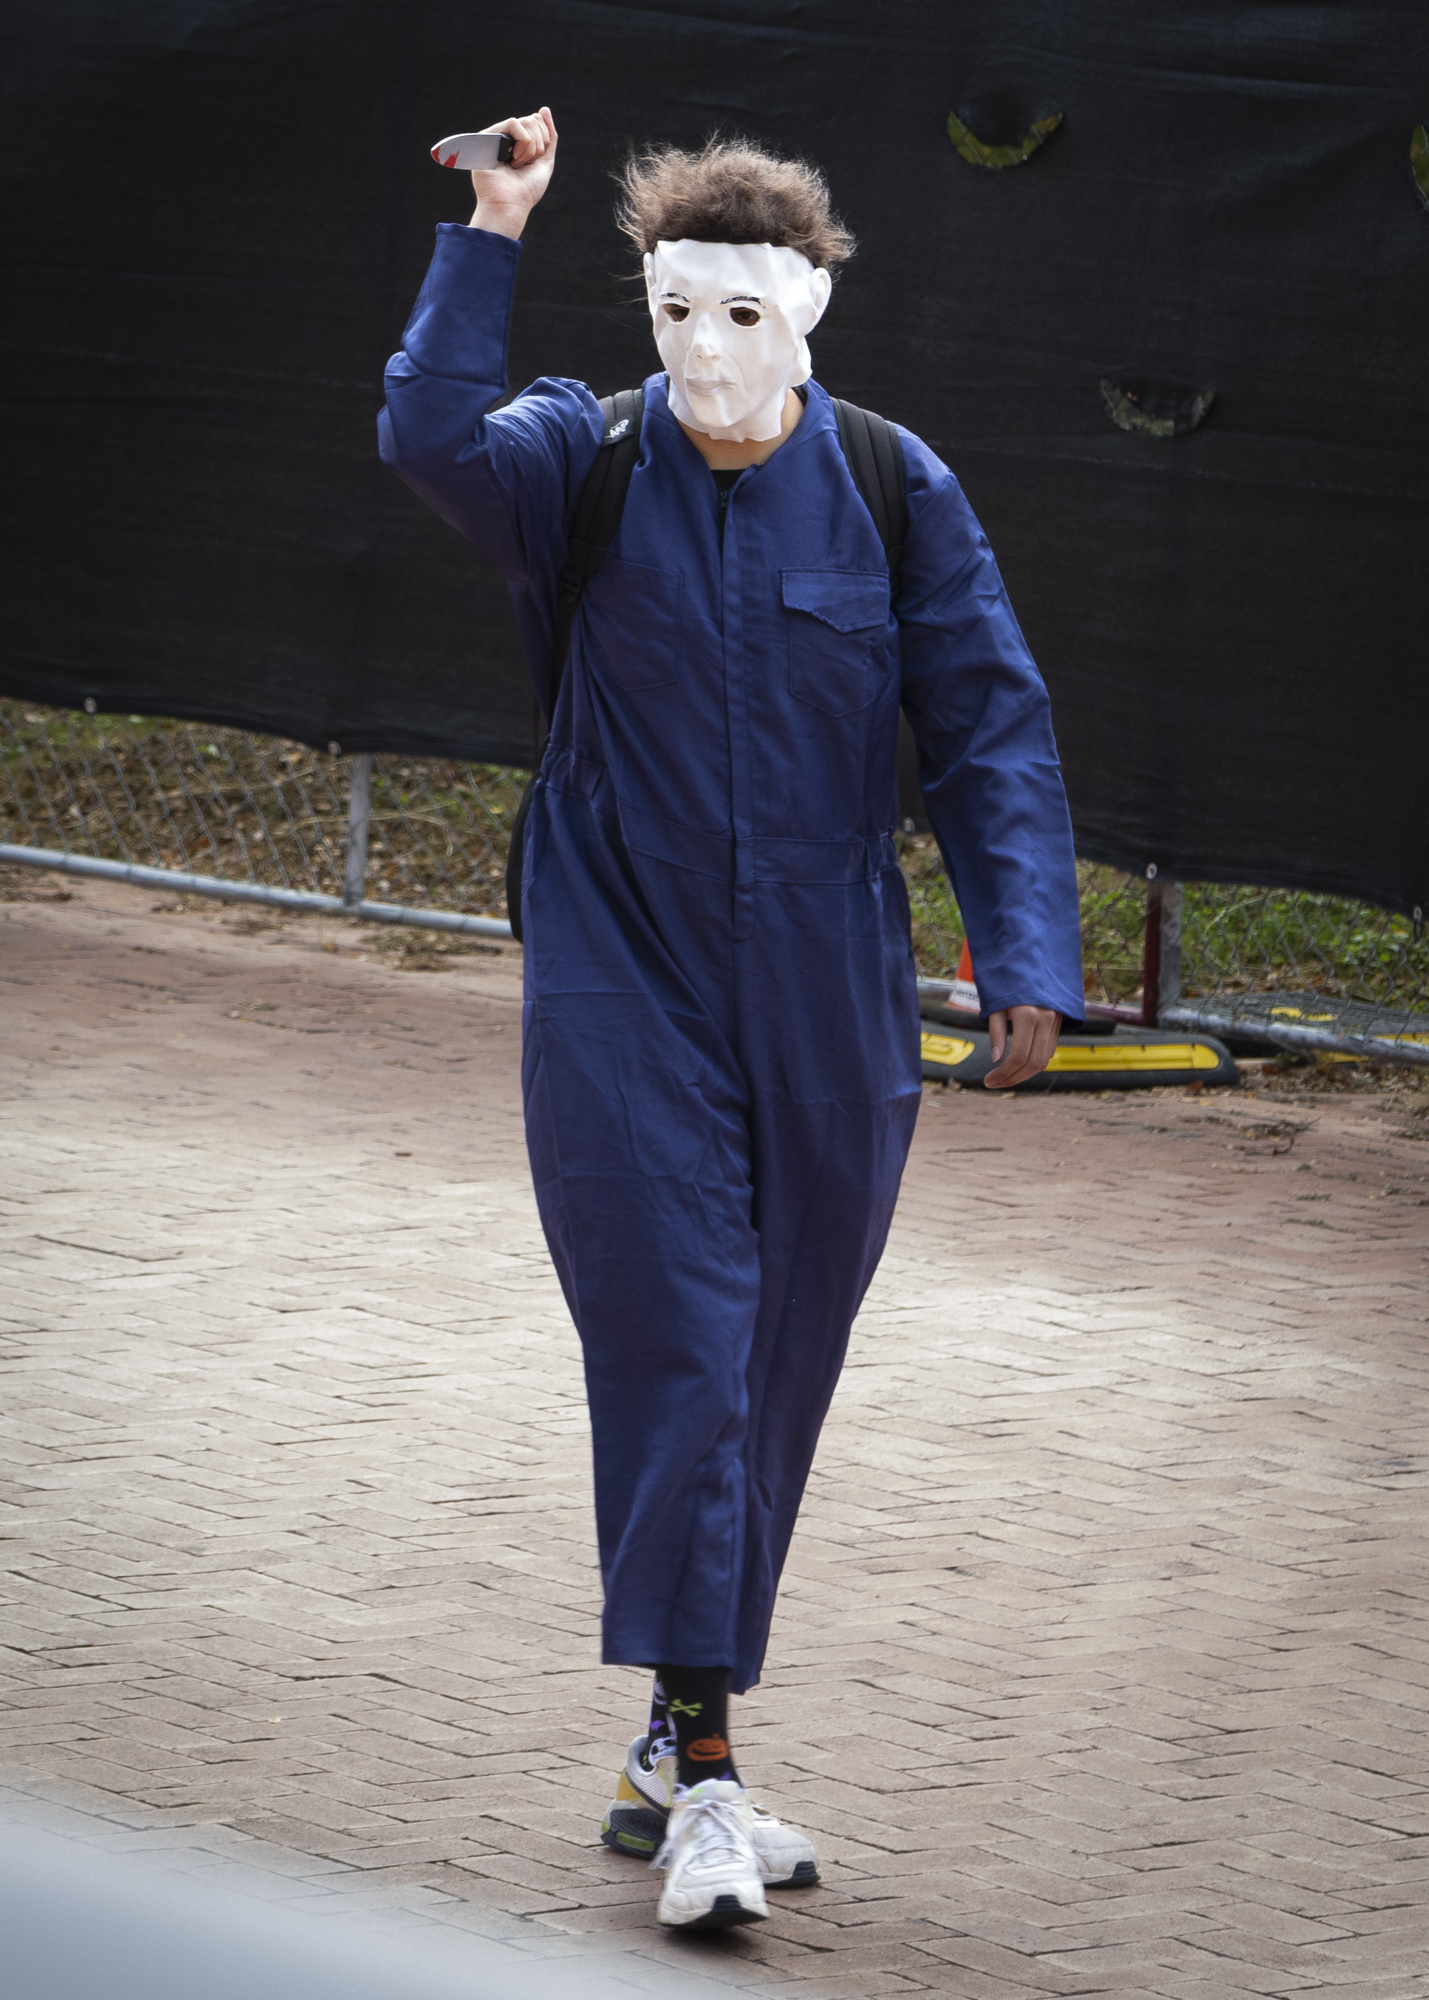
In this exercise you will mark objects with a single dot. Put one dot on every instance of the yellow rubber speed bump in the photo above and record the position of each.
(1100, 1056)
(1128, 1059)
(949, 1050)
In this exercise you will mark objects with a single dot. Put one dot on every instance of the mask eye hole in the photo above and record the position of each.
(744, 315)
(678, 312)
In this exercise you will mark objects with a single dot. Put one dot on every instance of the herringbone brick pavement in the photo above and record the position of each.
(1100, 1663)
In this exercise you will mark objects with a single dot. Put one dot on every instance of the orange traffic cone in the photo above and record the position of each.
(964, 989)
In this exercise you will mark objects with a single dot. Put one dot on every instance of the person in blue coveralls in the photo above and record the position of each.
(721, 1058)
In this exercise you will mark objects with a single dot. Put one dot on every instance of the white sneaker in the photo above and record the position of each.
(637, 1817)
(712, 1875)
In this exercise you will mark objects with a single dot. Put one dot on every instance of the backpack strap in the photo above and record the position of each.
(598, 511)
(874, 452)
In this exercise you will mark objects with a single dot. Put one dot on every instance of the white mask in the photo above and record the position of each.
(730, 376)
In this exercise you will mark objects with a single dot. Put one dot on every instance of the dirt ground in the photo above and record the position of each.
(1100, 1664)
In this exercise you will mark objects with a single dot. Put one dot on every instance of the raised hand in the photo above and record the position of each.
(506, 195)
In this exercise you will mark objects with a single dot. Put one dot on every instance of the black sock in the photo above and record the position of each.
(696, 1702)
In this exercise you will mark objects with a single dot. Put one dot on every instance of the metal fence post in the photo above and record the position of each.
(359, 819)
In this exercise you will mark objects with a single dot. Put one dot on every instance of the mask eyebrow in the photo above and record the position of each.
(742, 299)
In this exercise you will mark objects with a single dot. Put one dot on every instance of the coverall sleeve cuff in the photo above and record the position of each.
(1069, 1010)
(478, 240)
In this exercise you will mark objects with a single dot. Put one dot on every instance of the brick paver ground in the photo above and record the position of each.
(1100, 1665)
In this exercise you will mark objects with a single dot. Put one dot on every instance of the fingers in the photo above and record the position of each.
(1025, 1051)
(1015, 1063)
(997, 1035)
(534, 136)
(506, 195)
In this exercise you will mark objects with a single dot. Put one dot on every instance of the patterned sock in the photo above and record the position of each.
(662, 1732)
(696, 1702)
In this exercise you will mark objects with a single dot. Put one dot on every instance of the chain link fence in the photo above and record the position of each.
(1270, 967)
(423, 842)
(1322, 973)
(255, 819)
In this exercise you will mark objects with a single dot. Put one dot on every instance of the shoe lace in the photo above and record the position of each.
(713, 1828)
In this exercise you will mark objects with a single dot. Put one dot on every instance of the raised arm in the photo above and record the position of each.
(988, 763)
(507, 479)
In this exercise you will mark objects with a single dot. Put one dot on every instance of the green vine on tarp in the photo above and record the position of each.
(977, 154)
(1419, 162)
(1125, 409)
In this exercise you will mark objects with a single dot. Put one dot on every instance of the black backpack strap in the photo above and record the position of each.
(597, 517)
(874, 452)
(598, 511)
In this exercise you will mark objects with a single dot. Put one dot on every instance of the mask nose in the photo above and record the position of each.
(707, 344)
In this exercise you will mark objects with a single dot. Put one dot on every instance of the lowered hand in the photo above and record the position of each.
(1026, 1037)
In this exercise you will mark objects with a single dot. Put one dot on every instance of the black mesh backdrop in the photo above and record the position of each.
(218, 215)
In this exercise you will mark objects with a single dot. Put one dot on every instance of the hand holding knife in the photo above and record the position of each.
(510, 165)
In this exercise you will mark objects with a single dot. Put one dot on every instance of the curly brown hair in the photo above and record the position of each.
(730, 192)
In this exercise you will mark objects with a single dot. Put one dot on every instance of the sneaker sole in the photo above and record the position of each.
(723, 1914)
(633, 1830)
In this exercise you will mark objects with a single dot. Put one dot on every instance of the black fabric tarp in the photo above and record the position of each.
(217, 216)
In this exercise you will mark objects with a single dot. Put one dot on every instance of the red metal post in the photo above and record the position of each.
(1151, 952)
(1147, 1014)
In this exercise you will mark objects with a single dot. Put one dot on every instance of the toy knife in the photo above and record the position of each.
(472, 151)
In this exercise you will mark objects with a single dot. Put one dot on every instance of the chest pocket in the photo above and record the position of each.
(838, 636)
(631, 617)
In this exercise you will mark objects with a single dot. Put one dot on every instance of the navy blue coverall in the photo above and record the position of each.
(721, 1044)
